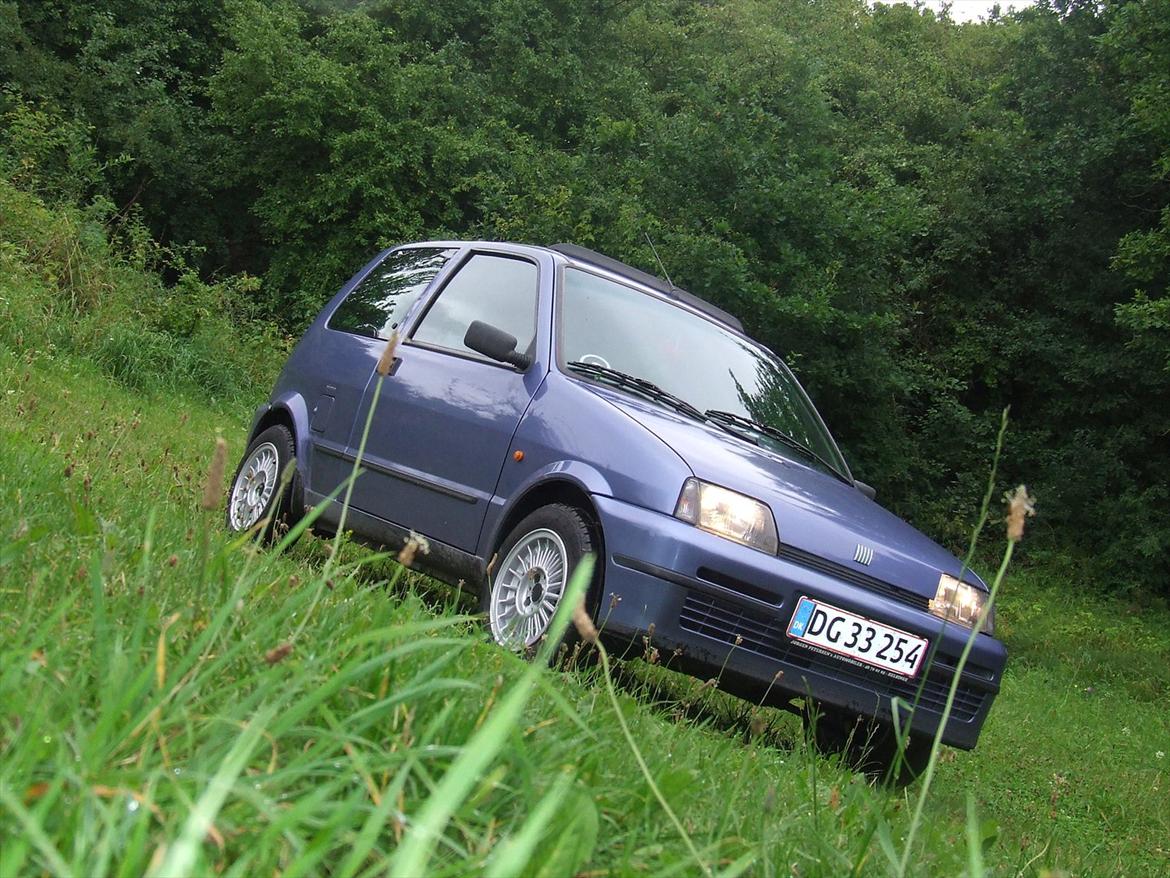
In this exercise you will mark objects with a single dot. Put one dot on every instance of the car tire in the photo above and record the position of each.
(256, 493)
(539, 555)
(868, 746)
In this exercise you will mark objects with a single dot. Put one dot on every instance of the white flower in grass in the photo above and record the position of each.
(1159, 755)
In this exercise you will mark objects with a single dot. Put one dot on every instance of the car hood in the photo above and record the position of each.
(815, 513)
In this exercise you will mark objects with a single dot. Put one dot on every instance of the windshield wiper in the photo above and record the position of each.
(638, 385)
(725, 419)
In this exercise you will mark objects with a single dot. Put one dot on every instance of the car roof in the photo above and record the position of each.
(583, 255)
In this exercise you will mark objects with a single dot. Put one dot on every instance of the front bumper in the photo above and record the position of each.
(721, 610)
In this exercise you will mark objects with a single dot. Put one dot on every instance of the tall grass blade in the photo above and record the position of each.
(182, 856)
(485, 744)
(936, 744)
(35, 833)
(974, 841)
(640, 759)
(512, 856)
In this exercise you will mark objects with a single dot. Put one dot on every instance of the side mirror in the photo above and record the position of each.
(868, 490)
(483, 338)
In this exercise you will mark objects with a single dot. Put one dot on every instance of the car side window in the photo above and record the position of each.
(377, 305)
(500, 290)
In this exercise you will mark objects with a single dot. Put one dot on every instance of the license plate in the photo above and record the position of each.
(842, 633)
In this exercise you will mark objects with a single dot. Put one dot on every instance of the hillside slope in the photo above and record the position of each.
(173, 701)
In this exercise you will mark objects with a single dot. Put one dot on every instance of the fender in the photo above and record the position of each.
(584, 475)
(580, 475)
(625, 459)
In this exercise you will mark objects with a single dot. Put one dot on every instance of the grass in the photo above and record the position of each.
(174, 702)
(154, 720)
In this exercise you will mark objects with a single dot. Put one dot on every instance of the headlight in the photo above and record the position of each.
(728, 514)
(959, 602)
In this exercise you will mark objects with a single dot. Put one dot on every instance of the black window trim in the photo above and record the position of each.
(452, 268)
(375, 265)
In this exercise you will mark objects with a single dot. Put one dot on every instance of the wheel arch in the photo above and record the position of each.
(289, 412)
(547, 493)
(276, 415)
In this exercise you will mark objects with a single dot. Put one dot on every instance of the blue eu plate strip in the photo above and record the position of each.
(804, 611)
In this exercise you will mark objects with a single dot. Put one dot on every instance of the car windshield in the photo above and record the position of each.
(608, 324)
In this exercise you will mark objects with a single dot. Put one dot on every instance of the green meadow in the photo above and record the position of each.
(174, 701)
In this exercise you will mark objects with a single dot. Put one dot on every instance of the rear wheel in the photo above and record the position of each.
(257, 495)
(533, 568)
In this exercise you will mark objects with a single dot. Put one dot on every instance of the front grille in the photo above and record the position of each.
(840, 571)
(726, 621)
(755, 631)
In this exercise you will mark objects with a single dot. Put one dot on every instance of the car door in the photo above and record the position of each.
(335, 368)
(446, 415)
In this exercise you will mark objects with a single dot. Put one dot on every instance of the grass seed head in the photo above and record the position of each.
(584, 624)
(278, 654)
(415, 543)
(387, 359)
(1021, 506)
(758, 723)
(213, 484)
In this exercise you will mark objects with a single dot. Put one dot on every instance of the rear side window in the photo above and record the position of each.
(499, 290)
(377, 305)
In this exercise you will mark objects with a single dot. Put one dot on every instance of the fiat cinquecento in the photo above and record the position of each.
(548, 403)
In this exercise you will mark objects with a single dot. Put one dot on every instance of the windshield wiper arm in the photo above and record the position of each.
(638, 385)
(731, 418)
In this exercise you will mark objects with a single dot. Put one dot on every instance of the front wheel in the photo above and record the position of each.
(535, 561)
(257, 496)
(869, 746)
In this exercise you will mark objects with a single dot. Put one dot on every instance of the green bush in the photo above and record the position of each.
(931, 221)
(68, 283)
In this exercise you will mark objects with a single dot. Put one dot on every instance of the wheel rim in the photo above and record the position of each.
(528, 588)
(254, 486)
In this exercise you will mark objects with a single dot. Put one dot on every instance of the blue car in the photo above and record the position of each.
(546, 403)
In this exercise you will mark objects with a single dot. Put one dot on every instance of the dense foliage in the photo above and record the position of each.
(932, 221)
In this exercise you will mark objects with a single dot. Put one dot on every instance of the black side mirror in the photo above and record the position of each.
(868, 490)
(483, 338)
